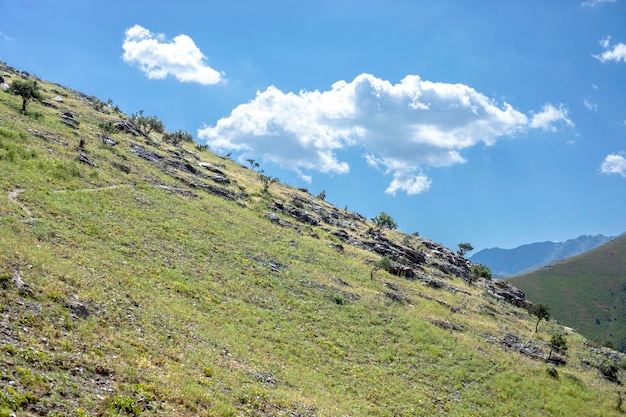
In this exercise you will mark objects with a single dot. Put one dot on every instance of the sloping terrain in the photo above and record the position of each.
(526, 258)
(142, 278)
(587, 292)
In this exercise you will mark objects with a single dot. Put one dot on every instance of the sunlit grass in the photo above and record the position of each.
(201, 306)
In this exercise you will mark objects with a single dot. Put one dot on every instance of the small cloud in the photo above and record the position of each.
(615, 53)
(157, 58)
(594, 86)
(410, 184)
(401, 129)
(594, 3)
(549, 116)
(6, 37)
(590, 105)
(614, 164)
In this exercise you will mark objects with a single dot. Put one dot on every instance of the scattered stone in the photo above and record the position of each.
(446, 325)
(69, 120)
(146, 154)
(127, 127)
(211, 168)
(58, 99)
(397, 297)
(220, 179)
(433, 283)
(273, 218)
(79, 310)
(125, 169)
(265, 378)
(107, 140)
(23, 288)
(82, 157)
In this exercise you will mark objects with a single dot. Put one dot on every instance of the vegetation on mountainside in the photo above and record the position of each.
(586, 292)
(27, 89)
(384, 221)
(464, 247)
(540, 312)
(161, 281)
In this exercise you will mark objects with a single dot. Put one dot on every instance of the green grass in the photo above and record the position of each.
(200, 306)
(587, 292)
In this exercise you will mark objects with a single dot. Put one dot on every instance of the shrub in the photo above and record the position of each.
(480, 271)
(383, 263)
(147, 124)
(384, 221)
(177, 137)
(553, 372)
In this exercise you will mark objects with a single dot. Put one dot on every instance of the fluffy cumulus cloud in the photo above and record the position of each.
(594, 3)
(611, 52)
(158, 58)
(401, 129)
(550, 117)
(614, 164)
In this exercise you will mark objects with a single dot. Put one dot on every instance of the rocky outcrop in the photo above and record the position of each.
(176, 166)
(506, 292)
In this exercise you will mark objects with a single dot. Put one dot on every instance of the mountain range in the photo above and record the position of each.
(526, 258)
(142, 274)
(586, 292)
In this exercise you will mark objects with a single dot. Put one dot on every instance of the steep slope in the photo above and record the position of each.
(587, 292)
(526, 258)
(142, 278)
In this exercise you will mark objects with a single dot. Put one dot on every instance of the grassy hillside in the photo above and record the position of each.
(587, 292)
(149, 279)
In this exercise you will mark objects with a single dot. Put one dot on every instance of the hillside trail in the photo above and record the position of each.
(13, 196)
(108, 187)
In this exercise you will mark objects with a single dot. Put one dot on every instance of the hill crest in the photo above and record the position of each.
(139, 276)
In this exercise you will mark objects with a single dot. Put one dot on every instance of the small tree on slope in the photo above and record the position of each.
(28, 90)
(541, 312)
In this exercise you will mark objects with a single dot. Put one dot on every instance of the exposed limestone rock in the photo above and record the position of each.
(127, 127)
(84, 158)
(504, 291)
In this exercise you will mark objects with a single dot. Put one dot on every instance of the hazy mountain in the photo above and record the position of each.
(586, 292)
(526, 258)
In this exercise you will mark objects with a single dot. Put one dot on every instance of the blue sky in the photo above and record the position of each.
(489, 122)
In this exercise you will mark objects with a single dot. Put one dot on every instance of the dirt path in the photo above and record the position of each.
(108, 187)
(13, 197)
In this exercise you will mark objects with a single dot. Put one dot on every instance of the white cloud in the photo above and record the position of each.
(6, 37)
(549, 116)
(400, 128)
(614, 164)
(594, 3)
(180, 58)
(410, 184)
(590, 105)
(616, 53)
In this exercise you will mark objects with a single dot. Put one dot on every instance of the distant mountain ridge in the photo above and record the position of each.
(508, 262)
(586, 292)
